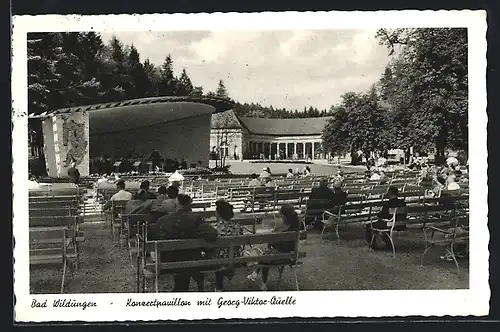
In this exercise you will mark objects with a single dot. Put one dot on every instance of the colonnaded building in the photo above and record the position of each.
(176, 127)
(237, 137)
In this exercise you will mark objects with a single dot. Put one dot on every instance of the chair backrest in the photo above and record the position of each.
(51, 221)
(201, 205)
(223, 242)
(52, 204)
(264, 193)
(54, 212)
(315, 208)
(57, 198)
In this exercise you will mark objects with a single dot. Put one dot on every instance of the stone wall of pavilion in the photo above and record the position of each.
(66, 139)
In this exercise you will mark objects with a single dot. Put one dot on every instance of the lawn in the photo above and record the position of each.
(350, 265)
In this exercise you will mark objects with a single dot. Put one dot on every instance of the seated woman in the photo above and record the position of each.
(375, 238)
(225, 227)
(307, 171)
(451, 183)
(438, 185)
(375, 176)
(291, 222)
(425, 178)
(162, 193)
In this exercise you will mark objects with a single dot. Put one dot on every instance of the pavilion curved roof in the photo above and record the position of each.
(220, 104)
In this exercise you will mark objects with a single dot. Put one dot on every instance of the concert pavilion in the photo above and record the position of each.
(177, 127)
(265, 138)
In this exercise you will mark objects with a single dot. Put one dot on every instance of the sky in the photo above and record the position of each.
(286, 69)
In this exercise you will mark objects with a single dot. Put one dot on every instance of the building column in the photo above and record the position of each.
(286, 150)
(294, 149)
(312, 150)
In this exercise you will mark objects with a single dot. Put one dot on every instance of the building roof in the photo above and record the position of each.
(225, 120)
(220, 104)
(284, 127)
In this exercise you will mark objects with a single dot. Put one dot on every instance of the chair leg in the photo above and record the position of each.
(337, 232)
(427, 248)
(295, 275)
(451, 251)
(280, 271)
(323, 230)
(130, 253)
(63, 276)
(371, 241)
(392, 245)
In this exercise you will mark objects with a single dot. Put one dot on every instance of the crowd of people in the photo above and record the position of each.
(176, 220)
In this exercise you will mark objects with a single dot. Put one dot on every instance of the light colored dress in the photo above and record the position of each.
(228, 228)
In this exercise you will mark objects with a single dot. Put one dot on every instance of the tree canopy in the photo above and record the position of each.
(70, 69)
(422, 96)
(420, 100)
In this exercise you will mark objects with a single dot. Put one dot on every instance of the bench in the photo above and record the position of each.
(350, 213)
(113, 216)
(53, 212)
(54, 240)
(54, 202)
(451, 237)
(212, 265)
(289, 196)
(134, 224)
(420, 215)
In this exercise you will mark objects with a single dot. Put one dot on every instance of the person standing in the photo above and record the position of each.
(74, 174)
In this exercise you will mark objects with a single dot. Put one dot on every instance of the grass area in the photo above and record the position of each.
(350, 265)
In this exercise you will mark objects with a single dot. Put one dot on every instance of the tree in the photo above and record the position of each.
(197, 91)
(357, 124)
(142, 84)
(426, 84)
(42, 76)
(154, 77)
(168, 82)
(185, 87)
(221, 90)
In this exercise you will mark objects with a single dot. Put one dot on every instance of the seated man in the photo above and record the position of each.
(254, 182)
(322, 191)
(121, 195)
(184, 224)
(386, 214)
(266, 173)
(145, 187)
(169, 204)
(335, 197)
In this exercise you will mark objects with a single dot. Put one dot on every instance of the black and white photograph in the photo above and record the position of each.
(207, 166)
